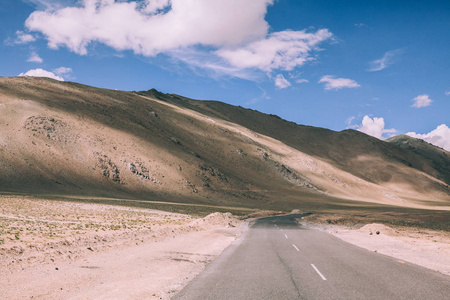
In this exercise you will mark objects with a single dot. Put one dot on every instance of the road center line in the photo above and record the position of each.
(295, 247)
(318, 272)
(285, 235)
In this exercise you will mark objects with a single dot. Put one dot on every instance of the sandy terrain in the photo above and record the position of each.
(63, 250)
(424, 247)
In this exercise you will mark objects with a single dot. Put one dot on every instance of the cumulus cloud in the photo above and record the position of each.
(302, 81)
(34, 57)
(333, 83)
(439, 137)
(41, 73)
(21, 38)
(385, 61)
(232, 34)
(281, 82)
(129, 26)
(447, 93)
(62, 71)
(283, 50)
(374, 127)
(421, 101)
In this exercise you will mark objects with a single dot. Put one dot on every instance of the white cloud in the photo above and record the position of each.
(41, 73)
(439, 137)
(281, 82)
(302, 81)
(332, 83)
(447, 93)
(283, 50)
(128, 26)
(349, 121)
(34, 57)
(62, 71)
(385, 61)
(374, 127)
(21, 38)
(421, 101)
(222, 36)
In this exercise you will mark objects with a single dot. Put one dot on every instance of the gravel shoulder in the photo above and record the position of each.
(423, 247)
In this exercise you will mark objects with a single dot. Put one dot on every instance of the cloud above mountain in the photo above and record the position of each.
(374, 127)
(232, 33)
(439, 137)
(42, 73)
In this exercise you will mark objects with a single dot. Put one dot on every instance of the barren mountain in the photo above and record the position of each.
(71, 140)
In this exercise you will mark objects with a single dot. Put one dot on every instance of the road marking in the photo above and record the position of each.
(285, 235)
(295, 247)
(318, 272)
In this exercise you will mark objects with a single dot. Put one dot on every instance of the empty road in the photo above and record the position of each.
(278, 259)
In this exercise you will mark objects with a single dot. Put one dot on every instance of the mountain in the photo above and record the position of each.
(68, 139)
(435, 160)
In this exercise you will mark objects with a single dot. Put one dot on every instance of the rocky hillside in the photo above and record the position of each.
(62, 138)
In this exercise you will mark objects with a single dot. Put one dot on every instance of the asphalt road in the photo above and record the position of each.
(278, 259)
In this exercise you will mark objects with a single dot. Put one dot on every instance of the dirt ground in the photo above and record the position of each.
(421, 246)
(64, 250)
(67, 250)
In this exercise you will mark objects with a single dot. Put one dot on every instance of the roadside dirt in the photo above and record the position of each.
(64, 250)
(424, 247)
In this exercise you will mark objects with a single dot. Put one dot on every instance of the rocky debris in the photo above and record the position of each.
(50, 127)
(175, 141)
(263, 153)
(223, 130)
(207, 171)
(241, 153)
(336, 180)
(191, 186)
(376, 228)
(153, 114)
(139, 169)
(109, 169)
(293, 177)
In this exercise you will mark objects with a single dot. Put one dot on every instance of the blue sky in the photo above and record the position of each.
(382, 67)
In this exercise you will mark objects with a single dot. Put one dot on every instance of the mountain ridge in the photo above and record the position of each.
(64, 138)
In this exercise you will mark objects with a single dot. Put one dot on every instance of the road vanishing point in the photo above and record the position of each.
(276, 258)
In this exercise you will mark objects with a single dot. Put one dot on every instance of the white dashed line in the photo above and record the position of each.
(285, 235)
(295, 247)
(318, 272)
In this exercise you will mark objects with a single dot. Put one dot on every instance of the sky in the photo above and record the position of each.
(378, 66)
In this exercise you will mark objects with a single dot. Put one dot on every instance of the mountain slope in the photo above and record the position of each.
(433, 157)
(326, 144)
(63, 138)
